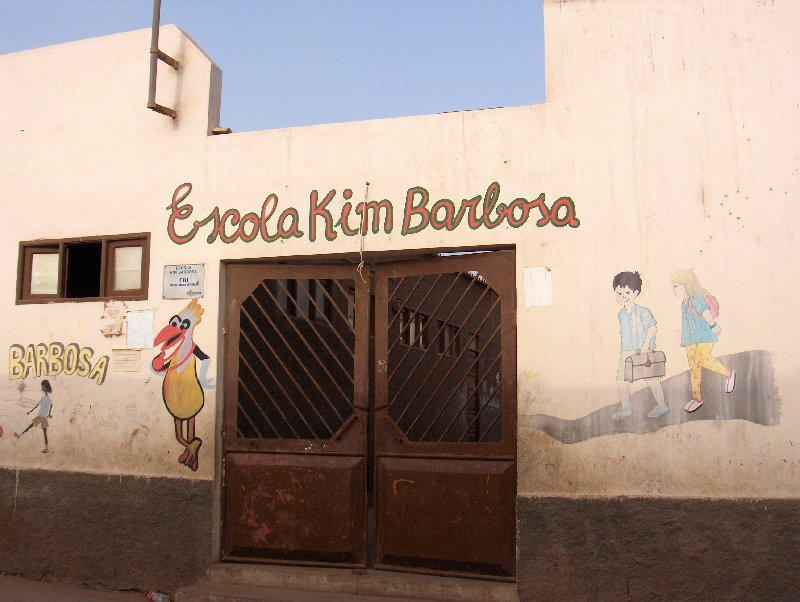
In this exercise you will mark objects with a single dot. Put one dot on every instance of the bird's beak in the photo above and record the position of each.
(168, 335)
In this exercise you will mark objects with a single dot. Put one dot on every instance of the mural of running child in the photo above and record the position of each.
(699, 332)
(638, 333)
(45, 406)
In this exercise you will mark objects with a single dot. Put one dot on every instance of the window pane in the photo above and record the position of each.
(44, 274)
(127, 268)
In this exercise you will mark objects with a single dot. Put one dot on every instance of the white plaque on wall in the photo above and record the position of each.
(126, 360)
(184, 281)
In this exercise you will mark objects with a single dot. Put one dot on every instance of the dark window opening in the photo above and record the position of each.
(84, 262)
(100, 268)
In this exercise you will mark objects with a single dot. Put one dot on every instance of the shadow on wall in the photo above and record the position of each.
(754, 399)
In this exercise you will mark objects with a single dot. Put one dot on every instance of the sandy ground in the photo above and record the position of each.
(17, 589)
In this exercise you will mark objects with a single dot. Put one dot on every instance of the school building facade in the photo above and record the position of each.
(548, 347)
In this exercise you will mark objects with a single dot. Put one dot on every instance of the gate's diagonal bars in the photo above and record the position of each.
(327, 320)
(241, 409)
(433, 395)
(478, 414)
(239, 432)
(396, 288)
(456, 388)
(424, 329)
(456, 305)
(299, 361)
(322, 340)
(244, 336)
(391, 294)
(489, 428)
(346, 295)
(260, 409)
(444, 352)
(403, 302)
(413, 320)
(329, 297)
(474, 390)
(444, 379)
(344, 370)
(288, 373)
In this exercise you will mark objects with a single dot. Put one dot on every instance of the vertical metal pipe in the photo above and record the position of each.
(151, 97)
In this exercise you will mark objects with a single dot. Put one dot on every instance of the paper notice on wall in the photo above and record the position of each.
(126, 360)
(141, 329)
(538, 287)
(112, 318)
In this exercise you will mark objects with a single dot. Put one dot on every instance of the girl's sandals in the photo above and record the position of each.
(730, 381)
(693, 404)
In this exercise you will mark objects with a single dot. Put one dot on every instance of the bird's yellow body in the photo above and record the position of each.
(183, 394)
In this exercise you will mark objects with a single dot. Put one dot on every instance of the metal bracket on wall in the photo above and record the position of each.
(155, 56)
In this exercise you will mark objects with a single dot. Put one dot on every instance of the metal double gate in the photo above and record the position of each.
(370, 421)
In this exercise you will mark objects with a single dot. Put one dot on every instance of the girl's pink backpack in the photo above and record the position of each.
(713, 306)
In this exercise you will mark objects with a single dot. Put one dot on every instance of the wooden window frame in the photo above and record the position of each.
(58, 246)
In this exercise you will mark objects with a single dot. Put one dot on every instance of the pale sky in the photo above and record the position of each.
(305, 62)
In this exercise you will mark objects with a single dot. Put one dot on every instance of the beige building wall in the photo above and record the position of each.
(669, 124)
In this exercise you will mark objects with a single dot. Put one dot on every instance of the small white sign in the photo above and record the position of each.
(538, 287)
(126, 360)
(184, 281)
(141, 328)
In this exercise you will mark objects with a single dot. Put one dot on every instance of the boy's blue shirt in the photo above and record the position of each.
(633, 328)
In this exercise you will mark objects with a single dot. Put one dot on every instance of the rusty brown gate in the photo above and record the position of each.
(372, 423)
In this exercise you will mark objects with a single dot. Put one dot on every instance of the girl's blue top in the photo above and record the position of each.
(695, 328)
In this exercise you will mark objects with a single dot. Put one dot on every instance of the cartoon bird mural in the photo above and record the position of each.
(183, 388)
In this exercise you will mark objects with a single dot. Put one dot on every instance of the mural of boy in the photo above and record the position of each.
(638, 333)
(183, 388)
(45, 406)
(699, 332)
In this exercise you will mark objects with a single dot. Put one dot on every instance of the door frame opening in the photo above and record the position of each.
(371, 261)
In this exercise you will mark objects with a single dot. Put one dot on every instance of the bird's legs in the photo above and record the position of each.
(181, 440)
(191, 443)
(194, 445)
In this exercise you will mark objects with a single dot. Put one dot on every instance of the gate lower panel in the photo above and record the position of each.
(295, 508)
(433, 511)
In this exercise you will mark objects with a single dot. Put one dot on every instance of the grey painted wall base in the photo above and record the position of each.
(137, 533)
(105, 530)
(658, 549)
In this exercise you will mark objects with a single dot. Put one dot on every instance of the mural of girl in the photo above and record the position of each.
(183, 388)
(44, 414)
(699, 332)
